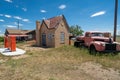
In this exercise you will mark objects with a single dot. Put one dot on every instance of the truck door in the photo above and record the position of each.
(87, 39)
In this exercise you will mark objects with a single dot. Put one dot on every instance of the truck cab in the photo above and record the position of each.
(92, 36)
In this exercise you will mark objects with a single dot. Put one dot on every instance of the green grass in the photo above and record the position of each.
(118, 38)
(68, 54)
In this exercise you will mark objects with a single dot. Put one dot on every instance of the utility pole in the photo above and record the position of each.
(115, 20)
(18, 25)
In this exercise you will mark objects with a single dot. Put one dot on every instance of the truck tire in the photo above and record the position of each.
(116, 53)
(76, 44)
(92, 50)
(82, 45)
(79, 43)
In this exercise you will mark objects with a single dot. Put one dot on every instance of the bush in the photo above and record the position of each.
(1, 39)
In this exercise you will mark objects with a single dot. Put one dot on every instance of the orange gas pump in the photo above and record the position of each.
(12, 41)
(6, 44)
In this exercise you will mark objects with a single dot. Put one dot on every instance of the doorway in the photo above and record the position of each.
(43, 39)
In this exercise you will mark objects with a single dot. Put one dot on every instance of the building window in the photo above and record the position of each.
(30, 36)
(50, 36)
(62, 37)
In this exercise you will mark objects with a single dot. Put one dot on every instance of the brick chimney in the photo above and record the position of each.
(38, 33)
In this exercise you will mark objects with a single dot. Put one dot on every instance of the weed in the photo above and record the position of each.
(52, 79)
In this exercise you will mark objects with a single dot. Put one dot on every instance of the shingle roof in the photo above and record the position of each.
(53, 22)
(31, 31)
(16, 31)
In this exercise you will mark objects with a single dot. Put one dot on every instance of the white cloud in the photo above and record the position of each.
(20, 24)
(43, 11)
(10, 26)
(1, 20)
(44, 18)
(8, 16)
(63, 6)
(17, 17)
(10, 1)
(20, 18)
(17, 24)
(98, 14)
(24, 9)
(25, 20)
(1, 14)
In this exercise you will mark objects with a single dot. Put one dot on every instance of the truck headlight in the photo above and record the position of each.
(102, 44)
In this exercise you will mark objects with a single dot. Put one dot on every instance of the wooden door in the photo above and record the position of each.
(43, 39)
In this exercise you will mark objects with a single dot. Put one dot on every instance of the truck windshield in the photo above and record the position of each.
(97, 34)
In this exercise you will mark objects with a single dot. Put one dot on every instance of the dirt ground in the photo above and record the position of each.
(90, 70)
(83, 71)
(97, 72)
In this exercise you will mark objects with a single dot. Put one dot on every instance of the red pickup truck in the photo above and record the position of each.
(98, 42)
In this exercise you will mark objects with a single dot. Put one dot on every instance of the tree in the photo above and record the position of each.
(1, 39)
(76, 30)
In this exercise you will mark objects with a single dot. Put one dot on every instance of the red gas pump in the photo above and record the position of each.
(10, 43)
(6, 44)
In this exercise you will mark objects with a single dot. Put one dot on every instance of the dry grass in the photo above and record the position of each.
(118, 38)
(53, 64)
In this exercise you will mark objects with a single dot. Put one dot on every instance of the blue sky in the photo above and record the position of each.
(91, 15)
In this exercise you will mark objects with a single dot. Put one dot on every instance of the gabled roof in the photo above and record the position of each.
(16, 31)
(30, 31)
(53, 22)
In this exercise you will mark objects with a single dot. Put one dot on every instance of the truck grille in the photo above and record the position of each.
(110, 47)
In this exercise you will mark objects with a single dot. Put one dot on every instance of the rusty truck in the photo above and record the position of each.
(97, 41)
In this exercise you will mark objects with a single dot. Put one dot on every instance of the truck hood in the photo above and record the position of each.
(80, 38)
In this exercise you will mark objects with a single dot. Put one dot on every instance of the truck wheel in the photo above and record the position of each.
(79, 44)
(116, 53)
(76, 44)
(92, 50)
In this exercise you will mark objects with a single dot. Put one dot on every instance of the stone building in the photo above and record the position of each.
(52, 32)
